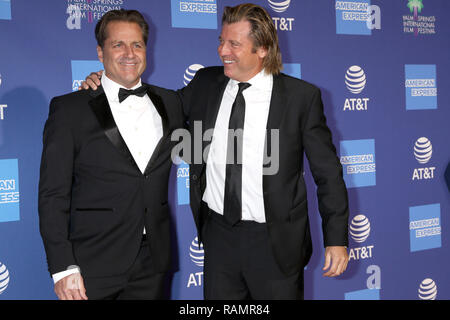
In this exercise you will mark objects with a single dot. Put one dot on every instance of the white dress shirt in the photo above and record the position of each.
(140, 125)
(138, 121)
(257, 103)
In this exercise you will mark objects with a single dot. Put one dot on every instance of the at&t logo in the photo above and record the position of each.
(427, 290)
(360, 228)
(281, 23)
(360, 231)
(355, 81)
(190, 72)
(197, 255)
(196, 252)
(279, 6)
(4, 278)
(423, 150)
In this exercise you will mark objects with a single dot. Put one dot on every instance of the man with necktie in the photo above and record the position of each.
(252, 216)
(104, 216)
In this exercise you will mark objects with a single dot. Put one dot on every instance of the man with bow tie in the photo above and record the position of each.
(104, 216)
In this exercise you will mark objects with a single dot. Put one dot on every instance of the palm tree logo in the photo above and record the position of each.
(415, 6)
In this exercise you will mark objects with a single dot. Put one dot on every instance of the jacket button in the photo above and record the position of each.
(194, 177)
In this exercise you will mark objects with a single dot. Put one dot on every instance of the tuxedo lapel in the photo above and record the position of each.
(102, 111)
(278, 103)
(277, 109)
(160, 107)
(215, 98)
(216, 91)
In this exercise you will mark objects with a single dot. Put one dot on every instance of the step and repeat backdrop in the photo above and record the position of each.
(383, 67)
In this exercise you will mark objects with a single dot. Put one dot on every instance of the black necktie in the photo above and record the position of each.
(124, 93)
(232, 207)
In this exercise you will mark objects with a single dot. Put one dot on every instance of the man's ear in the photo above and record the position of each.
(261, 52)
(100, 53)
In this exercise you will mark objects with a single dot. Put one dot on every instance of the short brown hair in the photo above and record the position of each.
(263, 32)
(120, 15)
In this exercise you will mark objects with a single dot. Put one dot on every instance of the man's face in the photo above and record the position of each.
(241, 61)
(124, 53)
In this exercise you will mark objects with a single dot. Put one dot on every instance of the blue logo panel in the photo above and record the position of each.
(183, 183)
(293, 70)
(358, 162)
(352, 16)
(425, 227)
(9, 190)
(5, 9)
(81, 69)
(367, 294)
(201, 14)
(420, 87)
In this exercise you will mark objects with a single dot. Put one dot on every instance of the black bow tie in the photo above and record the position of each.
(124, 93)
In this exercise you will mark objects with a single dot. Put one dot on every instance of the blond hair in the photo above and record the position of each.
(263, 32)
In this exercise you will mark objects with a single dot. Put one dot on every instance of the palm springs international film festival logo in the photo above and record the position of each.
(427, 290)
(357, 17)
(416, 23)
(360, 231)
(425, 227)
(4, 278)
(420, 86)
(279, 7)
(355, 81)
(423, 150)
(89, 10)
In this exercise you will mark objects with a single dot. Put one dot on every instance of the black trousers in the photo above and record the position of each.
(141, 282)
(239, 263)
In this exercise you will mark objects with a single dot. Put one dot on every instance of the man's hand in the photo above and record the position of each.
(71, 288)
(336, 260)
(92, 81)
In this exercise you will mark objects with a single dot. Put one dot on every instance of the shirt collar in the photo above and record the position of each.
(261, 81)
(111, 87)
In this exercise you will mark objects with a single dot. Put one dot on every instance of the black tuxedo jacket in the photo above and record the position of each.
(296, 110)
(93, 200)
